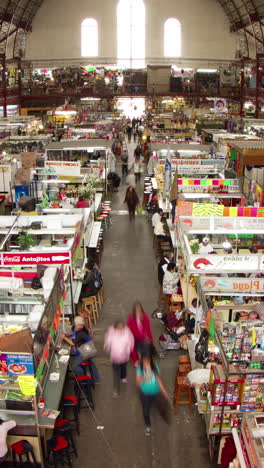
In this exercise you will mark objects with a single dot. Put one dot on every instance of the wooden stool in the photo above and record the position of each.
(86, 315)
(101, 292)
(182, 390)
(183, 370)
(99, 301)
(161, 298)
(184, 359)
(90, 305)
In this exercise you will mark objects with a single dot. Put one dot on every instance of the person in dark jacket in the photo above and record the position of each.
(78, 337)
(162, 266)
(88, 287)
(132, 200)
(114, 177)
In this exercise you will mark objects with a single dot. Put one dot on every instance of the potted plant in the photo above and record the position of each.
(26, 240)
(55, 203)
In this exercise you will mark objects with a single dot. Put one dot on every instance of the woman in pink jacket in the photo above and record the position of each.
(119, 343)
(139, 324)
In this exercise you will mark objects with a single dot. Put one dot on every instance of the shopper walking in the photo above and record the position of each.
(132, 200)
(76, 338)
(129, 133)
(138, 169)
(139, 324)
(119, 343)
(151, 387)
(124, 158)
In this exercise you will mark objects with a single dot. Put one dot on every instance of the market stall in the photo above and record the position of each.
(229, 237)
(247, 154)
(228, 296)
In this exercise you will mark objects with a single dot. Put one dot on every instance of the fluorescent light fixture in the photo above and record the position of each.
(206, 70)
(90, 99)
(55, 181)
(189, 151)
(65, 112)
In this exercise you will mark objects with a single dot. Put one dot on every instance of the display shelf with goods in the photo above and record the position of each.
(219, 231)
(210, 121)
(87, 152)
(64, 194)
(252, 440)
(100, 129)
(236, 387)
(15, 124)
(246, 153)
(60, 239)
(230, 295)
(224, 141)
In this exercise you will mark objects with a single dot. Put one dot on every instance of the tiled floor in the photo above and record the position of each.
(129, 269)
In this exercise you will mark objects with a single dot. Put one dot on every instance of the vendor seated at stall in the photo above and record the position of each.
(259, 309)
(244, 315)
(195, 314)
(115, 179)
(88, 284)
(27, 206)
(170, 280)
(76, 338)
(5, 426)
(205, 247)
(81, 203)
(156, 218)
(159, 230)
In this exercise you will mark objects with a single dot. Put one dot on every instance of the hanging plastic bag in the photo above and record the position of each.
(87, 350)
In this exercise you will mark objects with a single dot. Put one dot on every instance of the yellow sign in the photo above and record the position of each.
(27, 385)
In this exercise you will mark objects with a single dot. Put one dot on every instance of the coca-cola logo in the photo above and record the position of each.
(12, 259)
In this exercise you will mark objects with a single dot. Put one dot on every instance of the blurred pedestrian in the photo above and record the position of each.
(124, 158)
(119, 343)
(139, 324)
(138, 169)
(129, 133)
(151, 388)
(132, 200)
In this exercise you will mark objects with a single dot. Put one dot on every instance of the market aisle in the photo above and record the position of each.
(129, 270)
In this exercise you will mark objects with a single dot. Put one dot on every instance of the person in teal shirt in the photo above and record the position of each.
(149, 381)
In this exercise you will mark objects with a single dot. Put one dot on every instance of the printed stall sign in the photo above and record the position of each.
(58, 168)
(3, 364)
(45, 258)
(20, 364)
(234, 285)
(220, 263)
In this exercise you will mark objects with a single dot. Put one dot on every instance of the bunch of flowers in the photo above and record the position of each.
(194, 244)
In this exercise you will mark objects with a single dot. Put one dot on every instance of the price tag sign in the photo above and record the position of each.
(27, 385)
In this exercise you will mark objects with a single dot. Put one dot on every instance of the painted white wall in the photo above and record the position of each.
(56, 28)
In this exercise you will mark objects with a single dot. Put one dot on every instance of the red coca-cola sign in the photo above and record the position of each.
(36, 258)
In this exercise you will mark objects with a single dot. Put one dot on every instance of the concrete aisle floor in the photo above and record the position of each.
(130, 272)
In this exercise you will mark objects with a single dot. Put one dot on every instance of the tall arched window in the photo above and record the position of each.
(131, 33)
(172, 38)
(89, 38)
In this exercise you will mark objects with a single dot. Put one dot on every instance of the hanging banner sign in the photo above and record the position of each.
(232, 285)
(45, 258)
(67, 168)
(224, 263)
